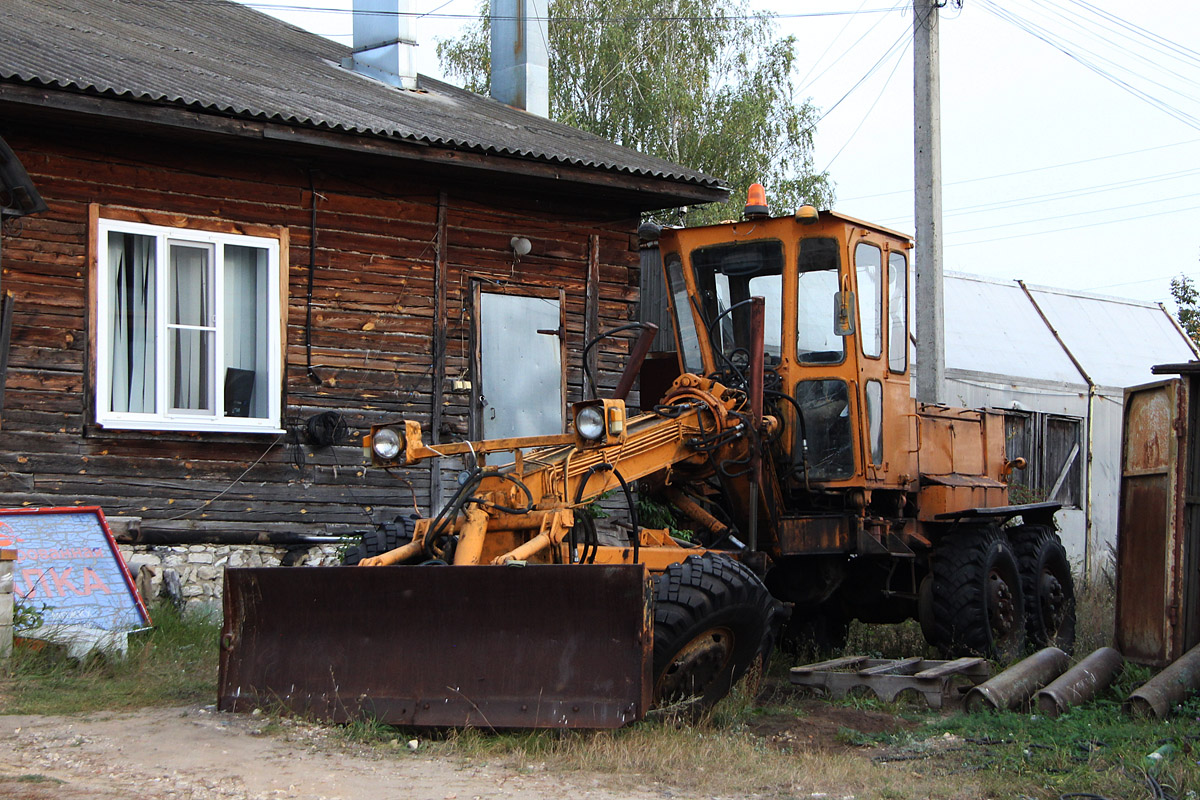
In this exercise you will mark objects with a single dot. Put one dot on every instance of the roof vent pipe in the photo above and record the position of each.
(520, 55)
(383, 42)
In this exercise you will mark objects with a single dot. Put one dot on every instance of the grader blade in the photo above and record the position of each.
(546, 646)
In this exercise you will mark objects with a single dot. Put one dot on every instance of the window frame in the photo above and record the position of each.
(877, 334)
(181, 231)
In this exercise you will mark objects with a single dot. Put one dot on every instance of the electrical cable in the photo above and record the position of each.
(1032, 170)
(899, 60)
(549, 18)
(1080, 54)
(606, 335)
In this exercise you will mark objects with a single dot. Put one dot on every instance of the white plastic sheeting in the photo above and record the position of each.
(1001, 353)
(1116, 341)
(992, 327)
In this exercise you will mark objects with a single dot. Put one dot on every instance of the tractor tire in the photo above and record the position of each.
(713, 619)
(1048, 587)
(977, 602)
(386, 536)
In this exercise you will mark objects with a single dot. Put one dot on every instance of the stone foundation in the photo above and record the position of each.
(6, 606)
(192, 575)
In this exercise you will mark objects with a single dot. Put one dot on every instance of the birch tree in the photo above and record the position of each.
(703, 83)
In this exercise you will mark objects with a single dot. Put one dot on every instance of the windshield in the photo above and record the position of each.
(729, 274)
(816, 303)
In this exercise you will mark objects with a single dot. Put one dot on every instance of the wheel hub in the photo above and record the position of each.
(1002, 611)
(1053, 600)
(695, 666)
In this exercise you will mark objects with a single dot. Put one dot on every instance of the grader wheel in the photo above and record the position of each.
(978, 605)
(1048, 586)
(713, 619)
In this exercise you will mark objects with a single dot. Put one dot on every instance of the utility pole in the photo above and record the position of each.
(927, 127)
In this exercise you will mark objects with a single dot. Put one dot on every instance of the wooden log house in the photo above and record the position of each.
(241, 236)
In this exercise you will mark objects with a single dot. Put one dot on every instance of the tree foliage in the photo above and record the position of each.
(703, 83)
(1187, 298)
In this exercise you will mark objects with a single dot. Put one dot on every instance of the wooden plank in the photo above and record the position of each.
(834, 663)
(591, 324)
(963, 665)
(439, 349)
(904, 666)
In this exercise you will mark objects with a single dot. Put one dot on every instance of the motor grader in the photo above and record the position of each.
(815, 490)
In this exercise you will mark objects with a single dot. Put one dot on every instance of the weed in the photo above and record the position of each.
(37, 779)
(173, 663)
(887, 641)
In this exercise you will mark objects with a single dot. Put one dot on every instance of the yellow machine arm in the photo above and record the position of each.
(525, 510)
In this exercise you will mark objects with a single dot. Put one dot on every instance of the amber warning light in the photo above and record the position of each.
(756, 202)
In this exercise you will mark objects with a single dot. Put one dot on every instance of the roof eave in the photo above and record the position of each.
(646, 192)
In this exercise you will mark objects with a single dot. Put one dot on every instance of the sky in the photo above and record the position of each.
(1070, 128)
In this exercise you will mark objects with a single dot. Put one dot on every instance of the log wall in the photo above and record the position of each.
(376, 319)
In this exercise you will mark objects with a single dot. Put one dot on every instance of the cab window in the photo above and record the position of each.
(868, 266)
(897, 312)
(729, 274)
(817, 341)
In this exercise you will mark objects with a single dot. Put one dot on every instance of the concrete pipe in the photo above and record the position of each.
(1168, 688)
(1081, 682)
(1016, 685)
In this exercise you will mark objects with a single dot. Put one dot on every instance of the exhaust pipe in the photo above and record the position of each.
(1080, 683)
(1168, 688)
(1016, 685)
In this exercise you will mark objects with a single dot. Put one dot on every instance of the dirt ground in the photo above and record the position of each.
(198, 754)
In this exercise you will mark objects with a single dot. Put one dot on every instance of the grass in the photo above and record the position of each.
(733, 753)
(1094, 748)
(719, 757)
(174, 663)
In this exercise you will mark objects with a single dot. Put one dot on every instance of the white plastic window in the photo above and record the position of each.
(188, 333)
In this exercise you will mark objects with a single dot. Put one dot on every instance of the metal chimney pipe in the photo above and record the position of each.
(520, 55)
(383, 42)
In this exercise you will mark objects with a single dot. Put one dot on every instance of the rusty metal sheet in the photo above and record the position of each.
(1147, 524)
(824, 534)
(545, 646)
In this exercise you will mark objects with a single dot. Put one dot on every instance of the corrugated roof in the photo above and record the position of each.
(222, 57)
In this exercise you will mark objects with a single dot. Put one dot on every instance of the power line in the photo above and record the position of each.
(1033, 169)
(1051, 197)
(1075, 227)
(899, 58)
(549, 18)
(1073, 214)
(1096, 62)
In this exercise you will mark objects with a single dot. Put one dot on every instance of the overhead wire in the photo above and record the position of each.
(1031, 170)
(1052, 197)
(1073, 214)
(1075, 227)
(882, 90)
(1093, 61)
(552, 18)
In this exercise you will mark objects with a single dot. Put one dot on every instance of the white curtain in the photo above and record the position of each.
(191, 349)
(131, 265)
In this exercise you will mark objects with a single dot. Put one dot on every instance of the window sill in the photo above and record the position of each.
(187, 426)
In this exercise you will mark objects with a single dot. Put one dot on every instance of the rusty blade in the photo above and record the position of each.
(546, 646)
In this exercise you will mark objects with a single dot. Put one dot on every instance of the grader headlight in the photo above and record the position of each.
(386, 444)
(599, 423)
(589, 422)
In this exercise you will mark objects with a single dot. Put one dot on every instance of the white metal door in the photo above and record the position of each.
(520, 365)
